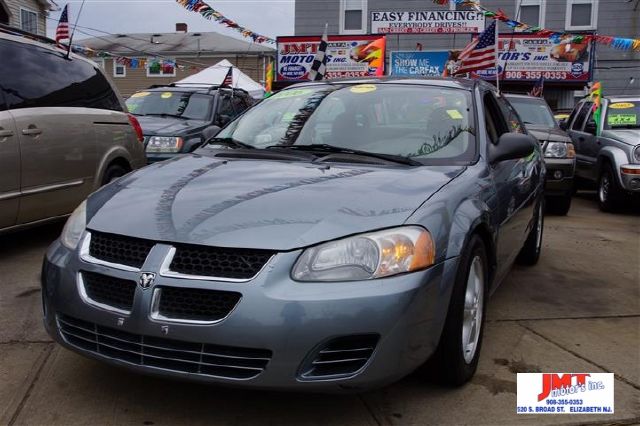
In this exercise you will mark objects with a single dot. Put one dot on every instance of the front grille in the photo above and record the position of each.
(110, 291)
(219, 262)
(341, 357)
(168, 354)
(196, 304)
(119, 249)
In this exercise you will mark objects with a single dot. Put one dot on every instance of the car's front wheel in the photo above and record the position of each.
(456, 358)
(609, 192)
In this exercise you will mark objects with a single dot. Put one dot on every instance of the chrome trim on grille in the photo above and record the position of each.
(165, 271)
(89, 301)
(155, 315)
(86, 256)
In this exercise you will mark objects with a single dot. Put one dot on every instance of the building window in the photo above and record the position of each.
(119, 70)
(161, 68)
(581, 15)
(29, 20)
(531, 12)
(353, 16)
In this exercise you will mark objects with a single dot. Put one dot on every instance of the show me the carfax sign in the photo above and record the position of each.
(426, 22)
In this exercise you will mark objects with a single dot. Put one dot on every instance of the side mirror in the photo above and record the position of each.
(210, 132)
(590, 127)
(563, 124)
(223, 119)
(511, 146)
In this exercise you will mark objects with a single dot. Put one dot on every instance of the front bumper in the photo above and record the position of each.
(630, 177)
(291, 320)
(560, 176)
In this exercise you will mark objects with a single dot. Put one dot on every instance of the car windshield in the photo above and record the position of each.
(533, 111)
(426, 123)
(187, 105)
(623, 115)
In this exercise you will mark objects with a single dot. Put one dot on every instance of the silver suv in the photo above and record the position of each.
(64, 132)
(612, 159)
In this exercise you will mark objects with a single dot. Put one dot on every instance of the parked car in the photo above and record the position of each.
(334, 237)
(559, 153)
(611, 159)
(177, 119)
(64, 132)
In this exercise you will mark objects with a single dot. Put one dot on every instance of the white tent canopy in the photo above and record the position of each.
(215, 74)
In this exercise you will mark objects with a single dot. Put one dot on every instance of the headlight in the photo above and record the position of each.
(164, 144)
(367, 256)
(73, 229)
(559, 150)
(636, 154)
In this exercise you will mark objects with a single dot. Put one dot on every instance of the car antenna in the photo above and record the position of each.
(74, 29)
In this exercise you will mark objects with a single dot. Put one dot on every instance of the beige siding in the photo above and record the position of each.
(14, 11)
(136, 79)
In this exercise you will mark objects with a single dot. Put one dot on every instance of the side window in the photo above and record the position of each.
(494, 121)
(69, 82)
(578, 124)
(510, 115)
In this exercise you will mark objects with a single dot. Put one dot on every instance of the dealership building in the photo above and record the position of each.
(421, 35)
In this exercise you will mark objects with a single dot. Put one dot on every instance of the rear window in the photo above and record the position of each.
(39, 77)
(187, 105)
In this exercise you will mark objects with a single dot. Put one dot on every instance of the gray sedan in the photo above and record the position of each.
(333, 238)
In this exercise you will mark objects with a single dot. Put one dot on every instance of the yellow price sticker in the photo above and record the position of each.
(363, 88)
(293, 93)
(166, 95)
(140, 94)
(621, 105)
(455, 114)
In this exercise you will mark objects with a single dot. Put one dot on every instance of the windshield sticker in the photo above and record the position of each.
(363, 88)
(140, 94)
(455, 114)
(166, 95)
(294, 93)
(622, 105)
(621, 119)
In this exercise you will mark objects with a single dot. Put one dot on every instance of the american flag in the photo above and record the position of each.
(319, 66)
(62, 32)
(538, 88)
(480, 54)
(228, 79)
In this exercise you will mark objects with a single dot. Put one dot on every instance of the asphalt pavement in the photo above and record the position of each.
(578, 310)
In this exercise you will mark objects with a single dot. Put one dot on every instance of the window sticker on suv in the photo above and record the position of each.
(621, 119)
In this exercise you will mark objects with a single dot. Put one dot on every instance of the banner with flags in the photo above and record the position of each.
(62, 31)
(480, 53)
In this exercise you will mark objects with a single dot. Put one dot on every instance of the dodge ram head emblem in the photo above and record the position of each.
(146, 279)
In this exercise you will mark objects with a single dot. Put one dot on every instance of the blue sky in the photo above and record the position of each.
(268, 17)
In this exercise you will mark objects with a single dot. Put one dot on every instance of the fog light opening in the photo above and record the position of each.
(557, 174)
(634, 183)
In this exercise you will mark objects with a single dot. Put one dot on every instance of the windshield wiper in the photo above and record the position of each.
(230, 142)
(332, 149)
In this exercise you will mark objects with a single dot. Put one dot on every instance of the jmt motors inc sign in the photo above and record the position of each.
(565, 393)
(347, 56)
(426, 22)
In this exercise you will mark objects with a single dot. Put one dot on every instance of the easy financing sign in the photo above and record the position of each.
(427, 22)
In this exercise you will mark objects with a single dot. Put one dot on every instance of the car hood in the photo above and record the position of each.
(544, 133)
(628, 136)
(168, 126)
(260, 204)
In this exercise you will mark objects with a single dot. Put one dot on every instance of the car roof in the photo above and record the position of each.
(455, 83)
(195, 88)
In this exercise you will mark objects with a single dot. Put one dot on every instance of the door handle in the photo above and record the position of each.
(5, 133)
(31, 131)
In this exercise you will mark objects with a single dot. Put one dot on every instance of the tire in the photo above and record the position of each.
(455, 363)
(113, 172)
(609, 192)
(558, 205)
(530, 252)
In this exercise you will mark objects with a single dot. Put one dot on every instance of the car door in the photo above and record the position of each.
(582, 142)
(46, 99)
(10, 166)
(510, 180)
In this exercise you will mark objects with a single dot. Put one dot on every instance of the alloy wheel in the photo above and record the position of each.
(473, 309)
(603, 190)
